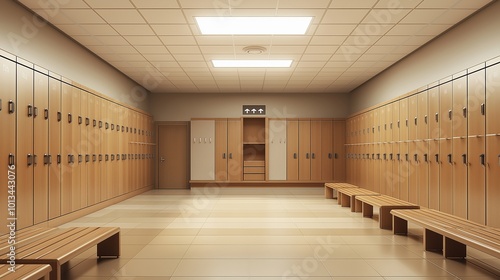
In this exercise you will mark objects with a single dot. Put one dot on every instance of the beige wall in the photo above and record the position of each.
(183, 107)
(31, 39)
(473, 41)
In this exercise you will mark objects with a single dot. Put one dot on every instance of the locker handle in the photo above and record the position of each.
(464, 112)
(47, 159)
(391, 125)
(415, 120)
(35, 112)
(385, 126)
(294, 155)
(112, 157)
(437, 158)
(481, 159)
(373, 156)
(223, 155)
(118, 127)
(70, 159)
(12, 159)
(30, 159)
(123, 128)
(70, 118)
(46, 114)
(1, 104)
(330, 155)
(391, 156)
(450, 114)
(106, 157)
(385, 156)
(87, 121)
(94, 158)
(399, 124)
(406, 122)
(415, 156)
(307, 155)
(200, 139)
(437, 117)
(80, 120)
(464, 159)
(425, 119)
(337, 155)
(450, 161)
(100, 124)
(373, 129)
(398, 156)
(483, 109)
(112, 127)
(30, 110)
(59, 116)
(94, 123)
(426, 158)
(407, 157)
(378, 156)
(80, 158)
(58, 159)
(498, 159)
(106, 125)
(367, 156)
(100, 157)
(12, 107)
(87, 158)
(230, 155)
(117, 157)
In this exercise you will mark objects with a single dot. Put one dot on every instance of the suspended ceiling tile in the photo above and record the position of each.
(362, 40)
(254, 4)
(385, 16)
(54, 6)
(159, 57)
(111, 4)
(297, 40)
(343, 4)
(406, 29)
(155, 4)
(189, 57)
(476, 4)
(422, 16)
(372, 29)
(172, 29)
(328, 40)
(152, 49)
(434, 29)
(286, 49)
(160, 16)
(321, 49)
(399, 4)
(76, 16)
(214, 40)
(315, 57)
(178, 40)
(183, 50)
(441, 4)
(117, 16)
(335, 29)
(453, 16)
(133, 29)
(344, 16)
(143, 40)
(217, 49)
(299, 4)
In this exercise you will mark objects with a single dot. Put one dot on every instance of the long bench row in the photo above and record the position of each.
(443, 232)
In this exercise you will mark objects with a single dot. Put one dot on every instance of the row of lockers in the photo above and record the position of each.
(71, 147)
(438, 147)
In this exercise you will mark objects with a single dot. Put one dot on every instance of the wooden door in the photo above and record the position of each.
(292, 161)
(327, 150)
(277, 162)
(459, 114)
(446, 188)
(493, 146)
(55, 119)
(83, 146)
(94, 142)
(8, 128)
(24, 153)
(76, 200)
(173, 155)
(202, 150)
(316, 152)
(460, 176)
(339, 154)
(103, 155)
(221, 149)
(304, 150)
(41, 147)
(476, 190)
(235, 150)
(434, 171)
(67, 155)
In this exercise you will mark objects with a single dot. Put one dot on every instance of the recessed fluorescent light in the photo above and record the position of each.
(252, 63)
(253, 25)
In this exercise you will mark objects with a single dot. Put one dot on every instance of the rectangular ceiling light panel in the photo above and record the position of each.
(252, 63)
(253, 25)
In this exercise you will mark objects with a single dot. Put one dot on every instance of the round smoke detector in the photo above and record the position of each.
(254, 49)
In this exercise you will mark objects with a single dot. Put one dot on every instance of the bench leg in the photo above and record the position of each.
(367, 210)
(328, 193)
(400, 226)
(345, 201)
(453, 249)
(358, 205)
(385, 218)
(433, 241)
(109, 247)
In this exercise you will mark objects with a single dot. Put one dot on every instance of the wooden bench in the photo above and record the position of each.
(331, 189)
(385, 204)
(347, 197)
(26, 272)
(447, 233)
(58, 246)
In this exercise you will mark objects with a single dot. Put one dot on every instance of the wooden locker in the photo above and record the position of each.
(493, 145)
(459, 114)
(221, 149)
(304, 150)
(8, 128)
(41, 147)
(84, 123)
(434, 172)
(413, 149)
(404, 171)
(446, 110)
(374, 184)
(423, 148)
(24, 153)
(446, 187)
(94, 142)
(316, 151)
(459, 158)
(476, 190)
(103, 155)
(113, 190)
(55, 119)
(396, 128)
(76, 146)
(277, 140)
(202, 150)
(395, 173)
(234, 150)
(67, 155)
(339, 152)
(292, 162)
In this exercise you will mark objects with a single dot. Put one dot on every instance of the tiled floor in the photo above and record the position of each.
(258, 233)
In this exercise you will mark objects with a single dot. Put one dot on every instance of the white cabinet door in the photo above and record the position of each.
(277, 149)
(203, 150)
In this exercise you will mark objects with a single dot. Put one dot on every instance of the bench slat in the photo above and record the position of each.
(25, 272)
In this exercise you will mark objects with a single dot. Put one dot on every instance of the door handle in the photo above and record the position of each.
(450, 114)
(70, 118)
(415, 120)
(35, 112)
(399, 157)
(30, 110)
(426, 119)
(162, 159)
(59, 116)
(223, 155)
(230, 155)
(437, 117)
(483, 109)
(330, 155)
(80, 120)
(391, 156)
(47, 159)
(12, 159)
(307, 155)
(464, 112)
(437, 158)
(481, 159)
(450, 161)
(464, 159)
(336, 155)
(415, 156)
(313, 156)
(407, 157)
(426, 158)
(30, 159)
(59, 159)
(294, 155)
(12, 107)
(46, 114)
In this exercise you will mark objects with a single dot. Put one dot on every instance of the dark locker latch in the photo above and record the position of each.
(464, 112)
(335, 155)
(87, 121)
(12, 107)
(450, 114)
(437, 117)
(294, 155)
(46, 114)
(30, 110)
(437, 158)
(35, 112)
(12, 159)
(80, 158)
(47, 159)
(483, 109)
(94, 123)
(87, 158)
(70, 118)
(58, 159)
(415, 156)
(330, 156)
(481, 159)
(464, 159)
(449, 159)
(30, 159)
(59, 116)
(313, 156)
(80, 119)
(426, 158)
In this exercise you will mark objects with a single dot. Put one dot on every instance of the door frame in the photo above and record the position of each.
(157, 125)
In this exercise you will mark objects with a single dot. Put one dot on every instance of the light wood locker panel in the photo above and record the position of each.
(277, 149)
(460, 107)
(395, 122)
(76, 201)
(113, 190)
(221, 150)
(202, 150)
(476, 187)
(412, 117)
(446, 110)
(423, 117)
(327, 150)
(24, 167)
(434, 111)
(476, 107)
(382, 125)
(8, 128)
(292, 146)
(67, 156)
(403, 119)
(404, 171)
(122, 187)
(369, 127)
(396, 176)
(316, 151)
(493, 145)
(423, 173)
(374, 184)
(235, 150)
(304, 150)
(84, 147)
(41, 147)
(446, 188)
(413, 187)
(94, 142)
(388, 122)
(339, 154)
(434, 172)
(103, 155)
(55, 121)
(460, 177)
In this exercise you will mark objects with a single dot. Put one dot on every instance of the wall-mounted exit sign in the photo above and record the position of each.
(254, 110)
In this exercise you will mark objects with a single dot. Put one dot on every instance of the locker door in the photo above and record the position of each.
(446, 175)
(202, 150)
(292, 146)
(493, 145)
(423, 149)
(103, 157)
(476, 191)
(25, 159)
(434, 111)
(375, 183)
(459, 121)
(339, 157)
(404, 171)
(235, 150)
(76, 150)
(67, 156)
(277, 149)
(434, 171)
(413, 149)
(55, 119)
(221, 150)
(316, 152)
(304, 150)
(41, 147)
(84, 123)
(8, 128)
(446, 110)
(94, 142)
(396, 128)
(327, 150)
